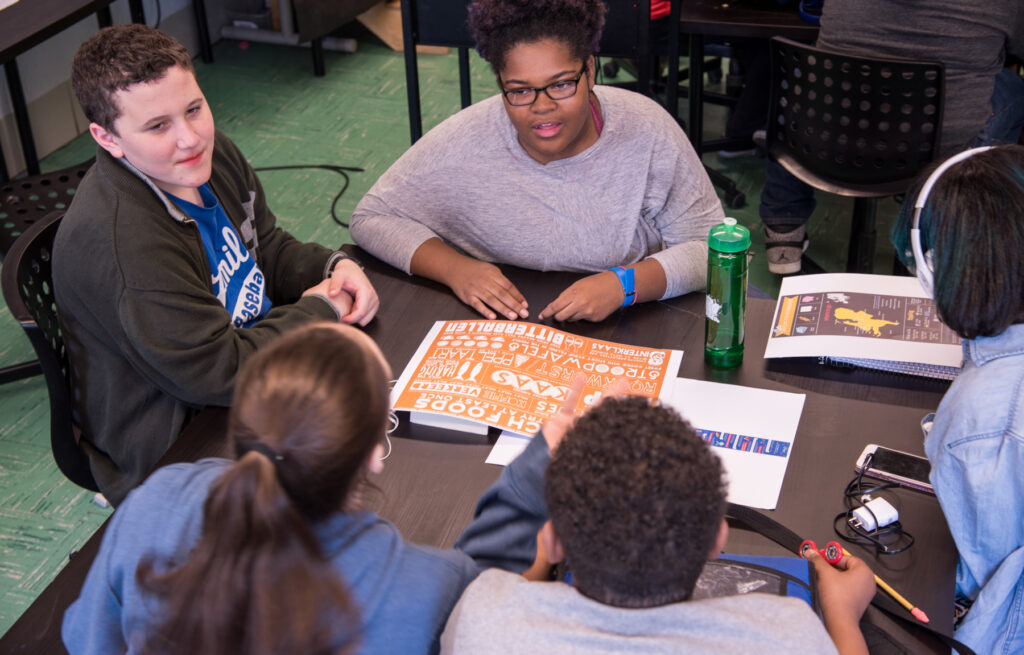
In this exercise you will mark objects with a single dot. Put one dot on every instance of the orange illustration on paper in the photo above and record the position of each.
(514, 375)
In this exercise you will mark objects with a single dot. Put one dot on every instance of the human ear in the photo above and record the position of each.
(106, 140)
(720, 539)
(553, 548)
(375, 464)
(591, 73)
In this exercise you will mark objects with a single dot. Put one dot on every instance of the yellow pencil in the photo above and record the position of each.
(917, 612)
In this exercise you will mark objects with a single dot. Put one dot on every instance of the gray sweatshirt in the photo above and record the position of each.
(638, 192)
(503, 613)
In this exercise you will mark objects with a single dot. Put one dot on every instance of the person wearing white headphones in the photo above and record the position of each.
(962, 231)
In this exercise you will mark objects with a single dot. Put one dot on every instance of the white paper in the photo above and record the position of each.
(903, 339)
(755, 419)
(508, 446)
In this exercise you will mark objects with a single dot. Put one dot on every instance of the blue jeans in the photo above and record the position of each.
(787, 203)
(1007, 119)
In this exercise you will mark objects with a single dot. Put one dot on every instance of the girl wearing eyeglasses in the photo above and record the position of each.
(552, 173)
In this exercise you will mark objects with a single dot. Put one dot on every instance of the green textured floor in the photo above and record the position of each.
(267, 99)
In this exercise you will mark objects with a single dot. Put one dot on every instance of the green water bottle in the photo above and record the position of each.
(726, 300)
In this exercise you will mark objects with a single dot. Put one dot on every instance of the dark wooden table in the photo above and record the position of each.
(746, 19)
(433, 478)
(28, 23)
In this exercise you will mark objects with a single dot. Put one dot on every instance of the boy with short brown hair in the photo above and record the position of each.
(169, 269)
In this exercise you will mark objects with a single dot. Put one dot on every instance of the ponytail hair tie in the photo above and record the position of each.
(262, 448)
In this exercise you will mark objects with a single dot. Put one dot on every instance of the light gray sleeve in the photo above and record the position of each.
(691, 207)
(379, 224)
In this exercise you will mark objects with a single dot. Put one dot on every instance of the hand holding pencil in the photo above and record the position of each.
(845, 589)
(917, 612)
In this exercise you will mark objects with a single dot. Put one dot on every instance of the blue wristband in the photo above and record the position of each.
(628, 282)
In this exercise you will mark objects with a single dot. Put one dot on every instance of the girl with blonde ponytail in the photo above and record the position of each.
(265, 554)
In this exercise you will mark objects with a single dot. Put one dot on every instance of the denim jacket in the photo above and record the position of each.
(976, 449)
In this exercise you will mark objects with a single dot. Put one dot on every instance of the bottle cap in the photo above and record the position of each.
(728, 236)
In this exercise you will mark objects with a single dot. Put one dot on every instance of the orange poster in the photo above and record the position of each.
(514, 375)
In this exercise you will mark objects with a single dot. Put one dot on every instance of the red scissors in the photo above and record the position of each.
(832, 552)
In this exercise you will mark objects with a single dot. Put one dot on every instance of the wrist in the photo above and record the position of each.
(336, 258)
(627, 279)
(323, 297)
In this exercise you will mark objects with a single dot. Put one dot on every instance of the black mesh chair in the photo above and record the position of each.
(862, 127)
(23, 202)
(28, 291)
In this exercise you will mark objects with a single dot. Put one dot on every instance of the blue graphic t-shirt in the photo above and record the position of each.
(237, 281)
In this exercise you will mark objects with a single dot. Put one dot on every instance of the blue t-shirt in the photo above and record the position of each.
(237, 280)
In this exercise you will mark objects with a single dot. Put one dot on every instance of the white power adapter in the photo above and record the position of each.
(874, 514)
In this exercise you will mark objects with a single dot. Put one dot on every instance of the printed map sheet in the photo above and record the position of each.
(862, 317)
(514, 375)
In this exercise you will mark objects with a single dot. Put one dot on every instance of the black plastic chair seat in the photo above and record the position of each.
(25, 201)
(862, 127)
(27, 281)
(855, 123)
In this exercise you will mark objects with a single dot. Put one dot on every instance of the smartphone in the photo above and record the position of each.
(895, 466)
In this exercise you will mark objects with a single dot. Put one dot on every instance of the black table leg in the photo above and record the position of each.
(138, 13)
(205, 49)
(317, 46)
(28, 145)
(4, 175)
(696, 126)
(412, 75)
(464, 77)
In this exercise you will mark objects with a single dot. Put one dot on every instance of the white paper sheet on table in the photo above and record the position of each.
(755, 478)
(507, 448)
(755, 427)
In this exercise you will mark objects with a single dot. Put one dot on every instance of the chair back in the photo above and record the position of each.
(27, 281)
(853, 126)
(439, 22)
(24, 201)
(627, 27)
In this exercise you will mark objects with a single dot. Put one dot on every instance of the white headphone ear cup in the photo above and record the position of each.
(926, 273)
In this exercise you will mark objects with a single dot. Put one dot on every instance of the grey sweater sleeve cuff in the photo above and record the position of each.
(686, 267)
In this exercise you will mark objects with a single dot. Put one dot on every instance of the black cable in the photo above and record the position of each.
(887, 540)
(343, 171)
(159, 15)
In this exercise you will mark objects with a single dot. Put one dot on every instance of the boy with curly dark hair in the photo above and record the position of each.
(554, 172)
(169, 269)
(636, 503)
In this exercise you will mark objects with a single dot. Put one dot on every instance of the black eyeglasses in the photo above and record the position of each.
(559, 90)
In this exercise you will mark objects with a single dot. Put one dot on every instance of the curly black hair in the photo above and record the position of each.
(636, 498)
(499, 25)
